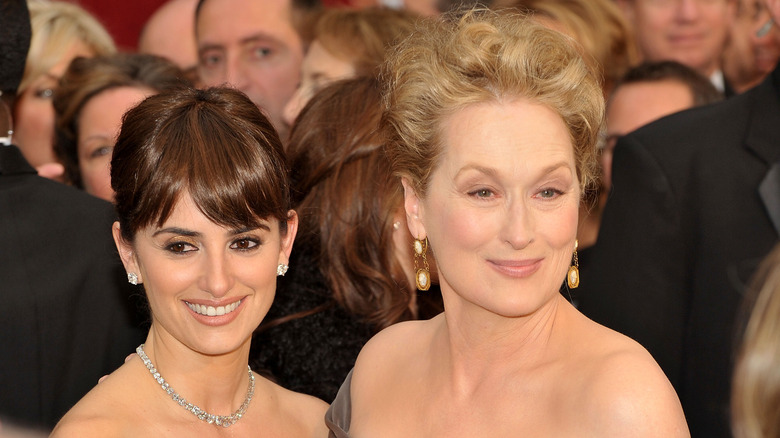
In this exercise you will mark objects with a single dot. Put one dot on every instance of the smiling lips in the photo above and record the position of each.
(205, 310)
(519, 269)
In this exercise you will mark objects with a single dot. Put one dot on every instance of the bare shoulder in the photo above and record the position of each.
(390, 357)
(396, 342)
(302, 412)
(627, 393)
(102, 412)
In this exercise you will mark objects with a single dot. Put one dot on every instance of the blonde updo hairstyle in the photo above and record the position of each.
(597, 25)
(56, 26)
(484, 56)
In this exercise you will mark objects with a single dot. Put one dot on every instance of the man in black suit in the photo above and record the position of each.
(67, 313)
(695, 206)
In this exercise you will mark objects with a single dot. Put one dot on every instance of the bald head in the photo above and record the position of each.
(170, 33)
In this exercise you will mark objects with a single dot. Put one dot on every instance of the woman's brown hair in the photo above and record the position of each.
(85, 78)
(214, 145)
(346, 199)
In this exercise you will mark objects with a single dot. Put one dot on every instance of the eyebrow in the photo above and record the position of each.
(489, 171)
(189, 233)
(258, 37)
(100, 137)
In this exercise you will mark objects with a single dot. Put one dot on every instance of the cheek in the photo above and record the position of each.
(456, 226)
(36, 115)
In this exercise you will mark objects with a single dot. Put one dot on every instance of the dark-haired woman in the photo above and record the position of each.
(205, 226)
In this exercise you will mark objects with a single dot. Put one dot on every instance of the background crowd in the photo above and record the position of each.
(677, 159)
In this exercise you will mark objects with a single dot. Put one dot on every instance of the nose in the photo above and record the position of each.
(518, 225)
(217, 277)
(293, 107)
(688, 10)
(236, 74)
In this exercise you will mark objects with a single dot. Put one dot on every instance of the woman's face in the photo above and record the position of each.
(208, 286)
(501, 208)
(98, 127)
(319, 69)
(34, 113)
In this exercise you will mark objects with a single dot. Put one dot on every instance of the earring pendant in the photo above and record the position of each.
(573, 276)
(422, 277)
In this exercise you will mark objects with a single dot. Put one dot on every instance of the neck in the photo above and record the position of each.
(216, 383)
(484, 346)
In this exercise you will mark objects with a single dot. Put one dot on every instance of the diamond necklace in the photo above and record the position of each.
(219, 420)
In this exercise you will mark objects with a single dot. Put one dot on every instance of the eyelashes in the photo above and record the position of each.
(242, 244)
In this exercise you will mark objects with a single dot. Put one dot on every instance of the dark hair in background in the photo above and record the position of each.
(213, 144)
(85, 78)
(702, 90)
(346, 198)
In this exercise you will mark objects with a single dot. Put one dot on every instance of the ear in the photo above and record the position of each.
(289, 237)
(413, 209)
(126, 252)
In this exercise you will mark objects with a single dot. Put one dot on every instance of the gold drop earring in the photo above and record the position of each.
(573, 276)
(422, 275)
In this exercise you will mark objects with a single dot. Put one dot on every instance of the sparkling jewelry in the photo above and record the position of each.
(219, 420)
(397, 225)
(281, 269)
(132, 278)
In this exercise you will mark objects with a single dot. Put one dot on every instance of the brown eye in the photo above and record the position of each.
(244, 244)
(180, 247)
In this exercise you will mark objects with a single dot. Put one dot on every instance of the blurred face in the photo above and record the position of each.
(34, 113)
(208, 286)
(748, 57)
(319, 69)
(692, 32)
(635, 105)
(251, 45)
(501, 209)
(98, 128)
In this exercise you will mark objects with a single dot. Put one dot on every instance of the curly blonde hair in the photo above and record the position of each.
(597, 25)
(484, 56)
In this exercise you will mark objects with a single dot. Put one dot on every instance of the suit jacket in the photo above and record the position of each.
(683, 230)
(67, 314)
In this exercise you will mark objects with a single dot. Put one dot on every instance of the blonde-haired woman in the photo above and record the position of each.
(755, 405)
(347, 43)
(61, 31)
(491, 122)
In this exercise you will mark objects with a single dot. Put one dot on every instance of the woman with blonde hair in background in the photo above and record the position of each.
(61, 31)
(755, 396)
(347, 43)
